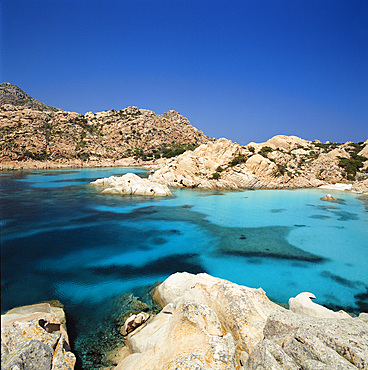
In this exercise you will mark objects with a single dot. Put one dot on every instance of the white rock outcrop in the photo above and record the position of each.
(131, 184)
(303, 305)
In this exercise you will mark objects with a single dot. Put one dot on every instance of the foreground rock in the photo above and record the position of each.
(281, 162)
(210, 323)
(34, 337)
(132, 184)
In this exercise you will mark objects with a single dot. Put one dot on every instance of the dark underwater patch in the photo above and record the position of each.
(268, 254)
(320, 217)
(361, 301)
(163, 266)
(57, 243)
(57, 173)
(346, 216)
(341, 215)
(278, 210)
(82, 180)
(265, 242)
(158, 241)
(323, 208)
(342, 281)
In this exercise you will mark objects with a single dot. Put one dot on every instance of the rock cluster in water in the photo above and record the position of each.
(210, 323)
(131, 184)
(34, 337)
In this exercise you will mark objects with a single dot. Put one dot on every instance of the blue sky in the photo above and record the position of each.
(246, 70)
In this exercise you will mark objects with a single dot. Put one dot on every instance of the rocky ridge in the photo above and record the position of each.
(35, 137)
(281, 162)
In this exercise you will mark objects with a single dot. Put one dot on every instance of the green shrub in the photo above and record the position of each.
(176, 149)
(83, 156)
(265, 150)
(36, 156)
(327, 147)
(352, 165)
(237, 160)
(281, 169)
(219, 169)
(216, 176)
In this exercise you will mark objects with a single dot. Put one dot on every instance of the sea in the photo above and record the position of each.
(100, 254)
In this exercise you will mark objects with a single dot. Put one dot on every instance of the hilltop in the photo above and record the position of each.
(35, 135)
(12, 94)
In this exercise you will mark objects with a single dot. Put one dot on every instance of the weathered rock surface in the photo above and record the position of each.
(319, 343)
(33, 337)
(281, 162)
(210, 323)
(131, 184)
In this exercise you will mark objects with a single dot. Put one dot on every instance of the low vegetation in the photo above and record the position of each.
(237, 160)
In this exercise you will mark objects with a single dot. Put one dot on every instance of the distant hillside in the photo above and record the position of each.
(44, 134)
(11, 94)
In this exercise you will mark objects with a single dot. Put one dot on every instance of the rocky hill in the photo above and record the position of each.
(29, 134)
(281, 162)
(11, 94)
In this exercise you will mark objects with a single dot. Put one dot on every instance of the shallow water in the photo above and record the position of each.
(62, 239)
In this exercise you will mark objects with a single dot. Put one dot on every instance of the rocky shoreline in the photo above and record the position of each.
(283, 162)
(51, 165)
(205, 323)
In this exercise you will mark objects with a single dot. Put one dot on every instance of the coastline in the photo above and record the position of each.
(358, 187)
(75, 163)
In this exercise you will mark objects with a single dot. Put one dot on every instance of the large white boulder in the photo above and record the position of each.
(131, 184)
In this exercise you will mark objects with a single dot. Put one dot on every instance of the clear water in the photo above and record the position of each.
(62, 239)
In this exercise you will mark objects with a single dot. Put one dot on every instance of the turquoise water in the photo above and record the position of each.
(62, 239)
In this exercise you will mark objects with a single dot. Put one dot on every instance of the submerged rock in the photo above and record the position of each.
(132, 184)
(210, 323)
(329, 198)
(34, 337)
